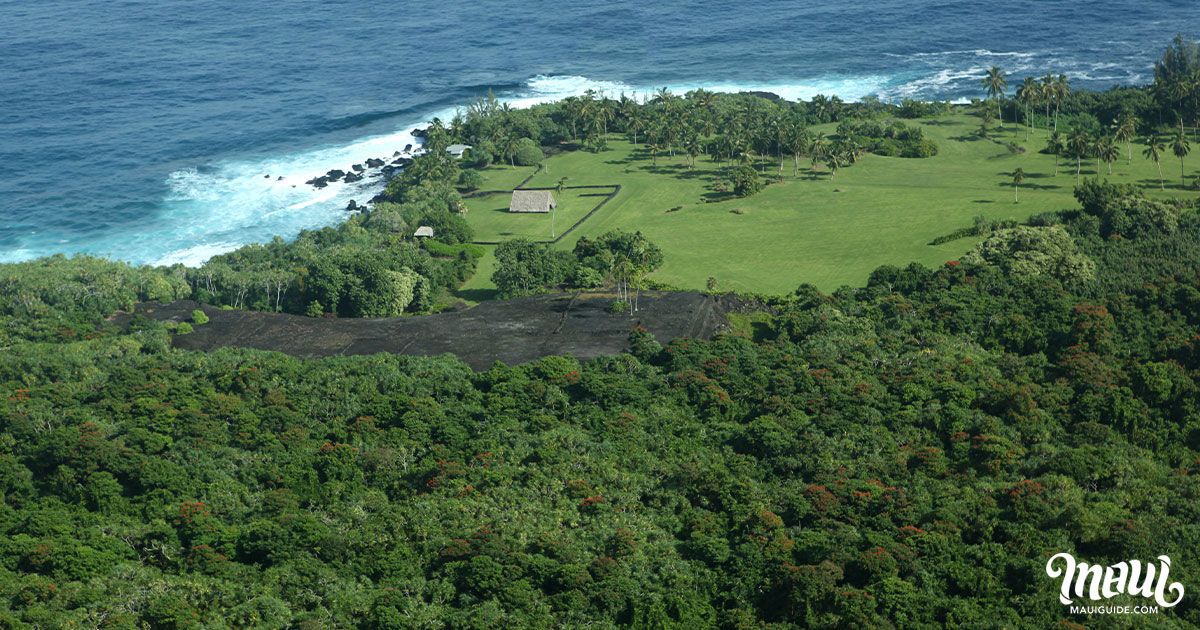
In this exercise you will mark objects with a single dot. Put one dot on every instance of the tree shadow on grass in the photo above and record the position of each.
(1027, 185)
(984, 201)
(476, 295)
(717, 197)
(966, 138)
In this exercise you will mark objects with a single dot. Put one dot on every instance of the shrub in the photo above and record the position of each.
(586, 277)
(529, 154)
(184, 328)
(471, 179)
(198, 317)
(618, 306)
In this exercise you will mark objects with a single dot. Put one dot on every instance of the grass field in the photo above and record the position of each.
(882, 210)
(489, 216)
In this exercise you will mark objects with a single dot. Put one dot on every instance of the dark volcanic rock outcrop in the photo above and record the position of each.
(512, 331)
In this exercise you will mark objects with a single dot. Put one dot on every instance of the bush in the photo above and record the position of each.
(481, 155)
(184, 328)
(529, 154)
(471, 179)
(198, 317)
(618, 306)
(587, 278)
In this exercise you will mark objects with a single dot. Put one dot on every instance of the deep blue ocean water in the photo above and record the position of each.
(143, 129)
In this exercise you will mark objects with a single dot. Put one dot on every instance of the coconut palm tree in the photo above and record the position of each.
(818, 148)
(1062, 89)
(511, 145)
(635, 123)
(995, 83)
(834, 160)
(1126, 127)
(1027, 93)
(1046, 90)
(1078, 143)
(1153, 151)
(653, 148)
(1018, 177)
(1180, 147)
(1107, 150)
(1054, 146)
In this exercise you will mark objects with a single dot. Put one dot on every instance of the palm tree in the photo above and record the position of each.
(1108, 151)
(692, 147)
(1054, 146)
(818, 148)
(511, 145)
(1126, 127)
(1153, 151)
(1046, 90)
(1018, 177)
(834, 160)
(635, 123)
(1180, 147)
(1027, 92)
(996, 84)
(1078, 143)
(1062, 89)
(653, 149)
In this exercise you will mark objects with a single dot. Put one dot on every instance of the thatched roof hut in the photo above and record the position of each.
(424, 231)
(532, 201)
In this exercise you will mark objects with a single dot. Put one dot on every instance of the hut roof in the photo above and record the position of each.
(532, 201)
(424, 230)
(457, 150)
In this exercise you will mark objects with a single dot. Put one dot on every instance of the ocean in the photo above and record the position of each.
(157, 131)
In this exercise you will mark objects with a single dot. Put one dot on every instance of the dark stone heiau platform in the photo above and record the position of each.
(512, 331)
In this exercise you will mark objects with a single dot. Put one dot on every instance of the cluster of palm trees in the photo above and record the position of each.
(1050, 90)
(1054, 89)
(1082, 144)
(743, 132)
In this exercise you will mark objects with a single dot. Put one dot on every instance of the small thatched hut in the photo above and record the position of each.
(532, 201)
(424, 232)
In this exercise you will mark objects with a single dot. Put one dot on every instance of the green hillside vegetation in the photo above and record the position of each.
(904, 452)
(902, 455)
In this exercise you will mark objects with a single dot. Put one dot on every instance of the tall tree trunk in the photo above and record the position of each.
(1016, 199)
(1077, 169)
(1161, 184)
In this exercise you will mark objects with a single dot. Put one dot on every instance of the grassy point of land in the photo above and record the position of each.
(810, 228)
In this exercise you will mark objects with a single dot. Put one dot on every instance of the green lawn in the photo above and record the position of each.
(489, 215)
(882, 210)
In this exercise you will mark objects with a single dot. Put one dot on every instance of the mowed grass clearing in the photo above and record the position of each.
(882, 210)
(489, 216)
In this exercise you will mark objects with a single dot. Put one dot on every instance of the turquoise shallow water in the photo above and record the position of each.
(143, 130)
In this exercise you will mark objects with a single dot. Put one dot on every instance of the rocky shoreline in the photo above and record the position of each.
(382, 168)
